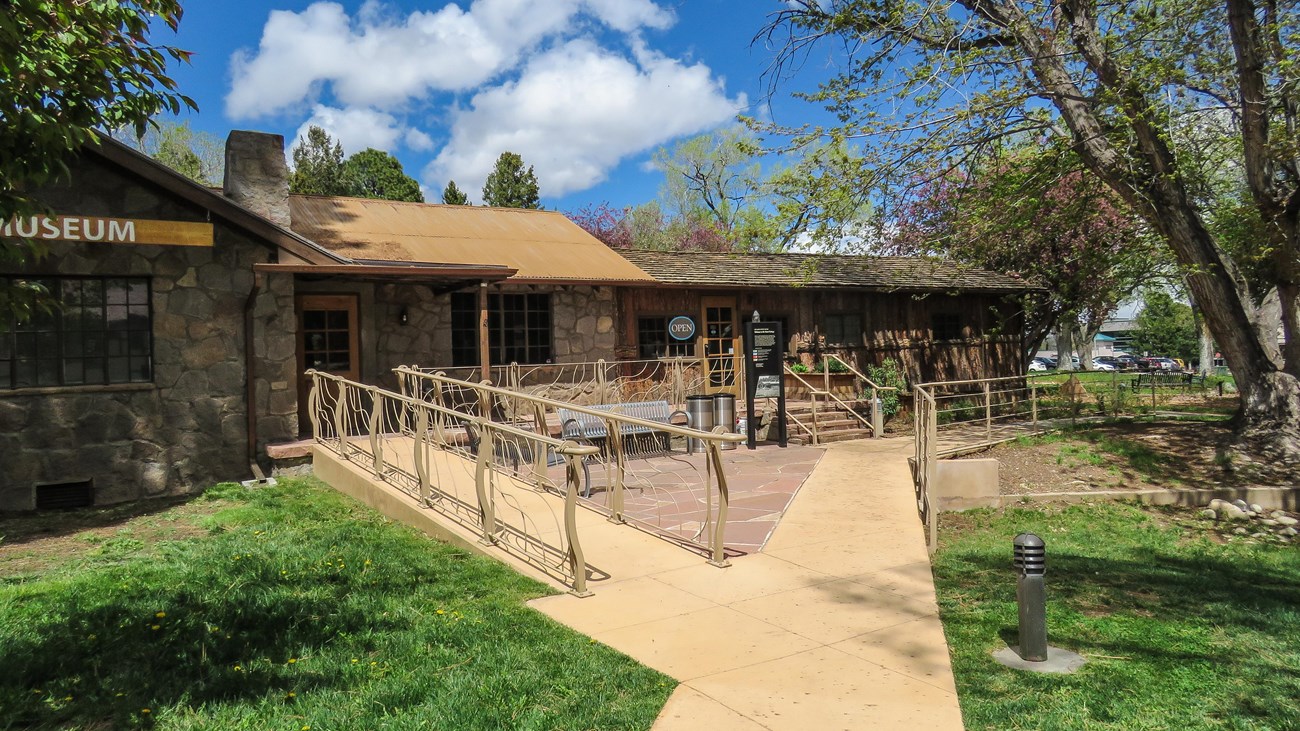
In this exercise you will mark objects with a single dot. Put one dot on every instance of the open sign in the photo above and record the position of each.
(681, 328)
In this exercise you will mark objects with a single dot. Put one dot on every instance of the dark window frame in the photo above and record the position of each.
(946, 326)
(520, 328)
(99, 332)
(671, 347)
(843, 319)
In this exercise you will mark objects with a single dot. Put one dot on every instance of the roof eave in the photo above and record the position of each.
(193, 192)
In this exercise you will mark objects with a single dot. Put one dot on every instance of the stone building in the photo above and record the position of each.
(186, 315)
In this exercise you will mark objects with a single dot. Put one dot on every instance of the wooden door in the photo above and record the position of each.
(327, 342)
(718, 315)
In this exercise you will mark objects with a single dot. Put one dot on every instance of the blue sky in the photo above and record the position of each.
(585, 90)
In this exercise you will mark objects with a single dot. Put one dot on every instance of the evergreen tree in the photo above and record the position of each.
(454, 196)
(509, 185)
(317, 165)
(374, 173)
(1165, 327)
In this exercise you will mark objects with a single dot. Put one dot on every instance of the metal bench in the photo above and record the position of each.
(1184, 381)
(636, 438)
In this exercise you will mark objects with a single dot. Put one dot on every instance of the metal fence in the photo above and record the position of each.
(958, 417)
(481, 474)
(637, 470)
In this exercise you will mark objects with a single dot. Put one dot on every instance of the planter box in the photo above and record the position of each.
(844, 385)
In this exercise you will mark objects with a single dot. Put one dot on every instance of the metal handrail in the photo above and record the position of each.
(827, 392)
(421, 422)
(616, 425)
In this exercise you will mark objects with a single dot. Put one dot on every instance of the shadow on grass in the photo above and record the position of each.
(20, 528)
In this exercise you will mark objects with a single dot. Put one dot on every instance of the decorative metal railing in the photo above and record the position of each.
(596, 382)
(479, 473)
(658, 475)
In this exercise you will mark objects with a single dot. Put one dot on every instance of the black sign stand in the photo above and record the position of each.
(764, 374)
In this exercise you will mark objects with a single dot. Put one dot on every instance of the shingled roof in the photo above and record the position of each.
(818, 271)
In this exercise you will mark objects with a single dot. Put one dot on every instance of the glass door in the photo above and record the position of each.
(720, 342)
(327, 342)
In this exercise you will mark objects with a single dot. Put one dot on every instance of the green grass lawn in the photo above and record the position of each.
(1182, 628)
(296, 608)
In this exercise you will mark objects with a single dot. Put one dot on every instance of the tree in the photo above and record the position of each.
(317, 165)
(66, 70)
(453, 196)
(373, 173)
(509, 185)
(1032, 213)
(1165, 327)
(716, 181)
(198, 156)
(1116, 83)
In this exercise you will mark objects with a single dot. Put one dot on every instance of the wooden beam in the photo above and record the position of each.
(484, 349)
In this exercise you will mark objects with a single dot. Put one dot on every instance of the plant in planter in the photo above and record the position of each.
(888, 374)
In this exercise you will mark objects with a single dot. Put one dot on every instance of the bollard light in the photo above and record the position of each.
(1030, 559)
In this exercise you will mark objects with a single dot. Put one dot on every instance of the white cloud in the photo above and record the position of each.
(358, 128)
(383, 60)
(576, 111)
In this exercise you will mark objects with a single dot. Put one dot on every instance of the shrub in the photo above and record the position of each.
(888, 374)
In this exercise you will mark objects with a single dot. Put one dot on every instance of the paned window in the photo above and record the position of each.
(653, 340)
(519, 328)
(945, 326)
(98, 331)
(844, 328)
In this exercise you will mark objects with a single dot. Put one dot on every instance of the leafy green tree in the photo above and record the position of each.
(317, 165)
(66, 70)
(1114, 82)
(374, 173)
(197, 155)
(1165, 327)
(454, 196)
(509, 185)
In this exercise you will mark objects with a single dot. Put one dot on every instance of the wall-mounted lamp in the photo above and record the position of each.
(402, 317)
(756, 316)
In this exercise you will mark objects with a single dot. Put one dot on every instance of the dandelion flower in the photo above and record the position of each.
(293, 660)
(160, 615)
(145, 710)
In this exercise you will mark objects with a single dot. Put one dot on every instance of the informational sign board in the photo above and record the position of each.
(765, 371)
(681, 328)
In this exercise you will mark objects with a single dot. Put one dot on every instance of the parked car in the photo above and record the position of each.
(1126, 362)
(1038, 364)
(1158, 365)
(1101, 365)
(1109, 360)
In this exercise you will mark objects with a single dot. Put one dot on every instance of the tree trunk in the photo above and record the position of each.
(1065, 347)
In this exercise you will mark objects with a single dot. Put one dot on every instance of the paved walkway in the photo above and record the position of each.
(832, 626)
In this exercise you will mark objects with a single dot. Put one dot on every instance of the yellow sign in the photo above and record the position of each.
(108, 230)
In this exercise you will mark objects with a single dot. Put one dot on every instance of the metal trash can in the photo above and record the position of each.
(699, 415)
(724, 414)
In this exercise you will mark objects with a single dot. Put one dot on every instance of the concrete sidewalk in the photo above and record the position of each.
(833, 626)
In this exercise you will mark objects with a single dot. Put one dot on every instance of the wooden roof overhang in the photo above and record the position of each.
(440, 278)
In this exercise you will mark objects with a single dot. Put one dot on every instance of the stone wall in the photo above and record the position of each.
(582, 321)
(188, 428)
(583, 318)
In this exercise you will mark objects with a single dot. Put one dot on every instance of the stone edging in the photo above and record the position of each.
(1274, 498)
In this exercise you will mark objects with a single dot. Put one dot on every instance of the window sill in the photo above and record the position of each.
(76, 390)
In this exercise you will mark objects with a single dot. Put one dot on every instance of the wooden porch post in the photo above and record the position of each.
(484, 351)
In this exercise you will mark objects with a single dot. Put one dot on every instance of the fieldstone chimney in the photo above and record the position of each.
(257, 177)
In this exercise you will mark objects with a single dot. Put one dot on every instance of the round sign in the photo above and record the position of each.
(681, 328)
